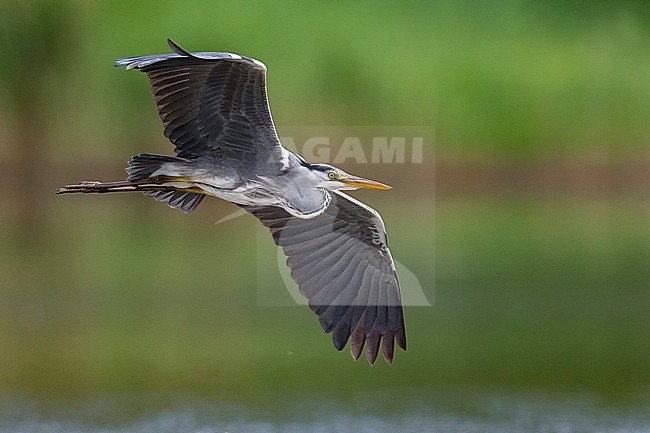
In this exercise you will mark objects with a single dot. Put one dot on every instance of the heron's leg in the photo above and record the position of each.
(151, 184)
(98, 187)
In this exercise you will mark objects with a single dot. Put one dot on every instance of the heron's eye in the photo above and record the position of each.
(331, 175)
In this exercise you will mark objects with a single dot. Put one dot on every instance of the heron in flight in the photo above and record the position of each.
(215, 111)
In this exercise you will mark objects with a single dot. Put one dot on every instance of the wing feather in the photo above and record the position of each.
(214, 104)
(341, 263)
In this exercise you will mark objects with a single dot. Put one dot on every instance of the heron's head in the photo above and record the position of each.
(333, 178)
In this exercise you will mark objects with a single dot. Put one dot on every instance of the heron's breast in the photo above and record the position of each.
(306, 202)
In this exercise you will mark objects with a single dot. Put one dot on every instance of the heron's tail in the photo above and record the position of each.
(148, 165)
(142, 176)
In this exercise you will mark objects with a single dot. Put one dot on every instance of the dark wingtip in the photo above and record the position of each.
(178, 50)
(401, 338)
(388, 346)
(358, 338)
(339, 343)
(340, 335)
(373, 340)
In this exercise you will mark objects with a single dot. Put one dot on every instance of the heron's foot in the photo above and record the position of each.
(84, 186)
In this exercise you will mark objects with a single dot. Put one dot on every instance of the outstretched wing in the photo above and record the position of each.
(341, 263)
(214, 104)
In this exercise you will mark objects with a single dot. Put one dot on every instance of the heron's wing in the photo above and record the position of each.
(214, 104)
(341, 263)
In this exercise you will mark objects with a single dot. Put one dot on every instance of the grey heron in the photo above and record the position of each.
(215, 111)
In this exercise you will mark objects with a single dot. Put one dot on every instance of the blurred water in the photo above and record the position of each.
(390, 411)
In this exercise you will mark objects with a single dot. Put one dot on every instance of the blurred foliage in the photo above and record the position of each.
(540, 285)
(511, 77)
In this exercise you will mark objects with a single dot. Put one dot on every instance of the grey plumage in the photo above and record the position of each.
(214, 109)
(143, 166)
(341, 263)
(214, 104)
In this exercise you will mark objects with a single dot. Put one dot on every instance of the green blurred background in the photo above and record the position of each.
(540, 226)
